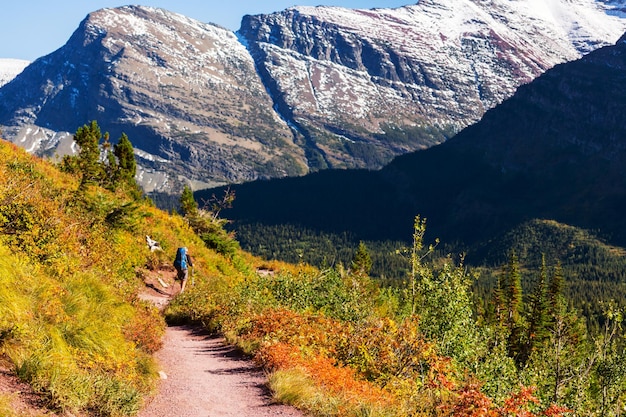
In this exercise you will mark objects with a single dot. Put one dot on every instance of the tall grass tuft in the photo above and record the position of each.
(65, 340)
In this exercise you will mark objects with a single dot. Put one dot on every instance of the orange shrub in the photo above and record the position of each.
(469, 401)
(315, 332)
(146, 328)
(337, 380)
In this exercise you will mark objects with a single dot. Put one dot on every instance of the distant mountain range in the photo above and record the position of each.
(555, 150)
(292, 92)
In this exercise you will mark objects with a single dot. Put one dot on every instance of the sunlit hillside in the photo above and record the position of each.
(74, 265)
(72, 262)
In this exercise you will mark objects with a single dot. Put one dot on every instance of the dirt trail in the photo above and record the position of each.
(204, 377)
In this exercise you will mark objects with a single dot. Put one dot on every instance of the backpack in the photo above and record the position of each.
(181, 258)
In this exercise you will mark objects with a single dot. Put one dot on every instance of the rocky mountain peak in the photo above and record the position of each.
(185, 92)
(425, 70)
(305, 89)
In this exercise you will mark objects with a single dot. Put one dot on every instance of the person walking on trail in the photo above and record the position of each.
(182, 263)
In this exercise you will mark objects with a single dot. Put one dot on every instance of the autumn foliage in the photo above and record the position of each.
(346, 347)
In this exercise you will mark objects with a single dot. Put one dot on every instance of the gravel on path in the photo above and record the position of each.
(201, 376)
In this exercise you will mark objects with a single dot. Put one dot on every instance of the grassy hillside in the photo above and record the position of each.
(71, 265)
(70, 322)
(333, 341)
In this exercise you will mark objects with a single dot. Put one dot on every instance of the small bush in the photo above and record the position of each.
(146, 328)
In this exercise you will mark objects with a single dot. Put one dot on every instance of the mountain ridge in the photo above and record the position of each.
(138, 81)
(513, 166)
(203, 110)
(454, 61)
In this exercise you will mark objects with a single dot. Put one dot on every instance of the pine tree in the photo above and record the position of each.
(499, 299)
(555, 289)
(513, 291)
(88, 158)
(110, 165)
(115, 171)
(537, 314)
(513, 299)
(362, 262)
(126, 164)
(188, 204)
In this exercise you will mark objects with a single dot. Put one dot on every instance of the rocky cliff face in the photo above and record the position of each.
(350, 80)
(305, 89)
(186, 93)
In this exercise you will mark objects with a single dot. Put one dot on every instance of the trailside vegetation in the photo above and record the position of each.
(335, 341)
(595, 271)
(338, 343)
(73, 259)
(70, 323)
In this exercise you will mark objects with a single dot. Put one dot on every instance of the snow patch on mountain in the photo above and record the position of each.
(10, 68)
(581, 21)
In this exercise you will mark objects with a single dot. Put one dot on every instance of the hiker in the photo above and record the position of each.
(182, 263)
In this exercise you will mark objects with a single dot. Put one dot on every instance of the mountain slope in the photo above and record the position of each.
(351, 79)
(555, 150)
(70, 324)
(327, 87)
(186, 94)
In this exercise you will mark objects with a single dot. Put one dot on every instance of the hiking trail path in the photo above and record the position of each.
(201, 375)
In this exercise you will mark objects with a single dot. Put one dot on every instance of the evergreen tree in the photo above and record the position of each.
(188, 204)
(126, 164)
(362, 262)
(537, 314)
(110, 165)
(565, 360)
(555, 289)
(116, 171)
(88, 163)
(499, 300)
(514, 294)
(511, 292)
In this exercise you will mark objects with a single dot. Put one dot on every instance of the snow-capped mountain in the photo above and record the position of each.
(436, 64)
(10, 68)
(186, 94)
(554, 150)
(304, 89)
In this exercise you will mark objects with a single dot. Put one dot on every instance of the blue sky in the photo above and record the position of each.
(33, 28)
